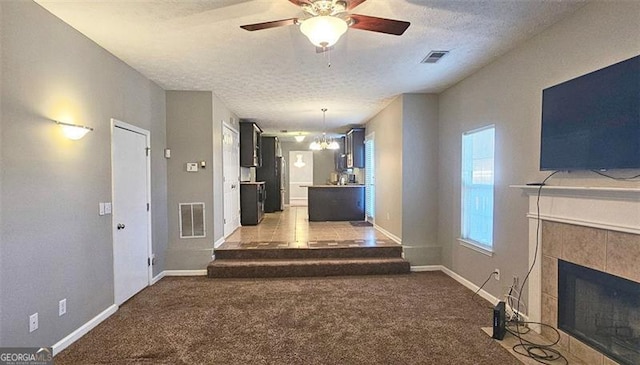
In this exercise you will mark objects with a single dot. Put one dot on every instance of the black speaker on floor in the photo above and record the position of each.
(499, 328)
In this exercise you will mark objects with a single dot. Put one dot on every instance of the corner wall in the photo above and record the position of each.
(54, 244)
(420, 179)
(387, 126)
(189, 136)
(508, 93)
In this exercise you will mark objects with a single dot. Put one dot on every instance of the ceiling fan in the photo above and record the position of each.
(325, 21)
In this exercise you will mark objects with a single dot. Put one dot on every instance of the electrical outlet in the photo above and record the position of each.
(33, 322)
(62, 307)
(496, 274)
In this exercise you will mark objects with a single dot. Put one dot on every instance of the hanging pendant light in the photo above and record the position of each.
(324, 142)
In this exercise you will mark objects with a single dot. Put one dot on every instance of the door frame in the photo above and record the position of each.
(371, 137)
(115, 123)
(237, 132)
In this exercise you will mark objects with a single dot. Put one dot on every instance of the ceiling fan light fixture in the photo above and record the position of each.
(324, 31)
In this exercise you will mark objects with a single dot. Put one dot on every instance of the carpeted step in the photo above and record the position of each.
(309, 253)
(224, 268)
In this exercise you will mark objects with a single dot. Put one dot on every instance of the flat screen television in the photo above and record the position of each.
(593, 122)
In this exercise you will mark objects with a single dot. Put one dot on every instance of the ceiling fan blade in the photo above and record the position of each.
(267, 25)
(352, 4)
(380, 25)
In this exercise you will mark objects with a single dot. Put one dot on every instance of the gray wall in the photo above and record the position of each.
(189, 135)
(194, 133)
(508, 93)
(324, 164)
(1, 174)
(387, 126)
(420, 179)
(54, 245)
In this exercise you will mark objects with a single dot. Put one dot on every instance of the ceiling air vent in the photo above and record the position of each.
(434, 56)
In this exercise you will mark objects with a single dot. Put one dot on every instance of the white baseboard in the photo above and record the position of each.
(218, 243)
(157, 278)
(481, 293)
(83, 330)
(484, 294)
(185, 272)
(426, 268)
(393, 237)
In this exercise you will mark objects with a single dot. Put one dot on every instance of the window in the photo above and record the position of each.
(477, 187)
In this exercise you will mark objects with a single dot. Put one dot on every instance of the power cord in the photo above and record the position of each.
(615, 177)
(482, 286)
(538, 352)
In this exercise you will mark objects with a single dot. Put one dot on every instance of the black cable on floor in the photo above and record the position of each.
(538, 352)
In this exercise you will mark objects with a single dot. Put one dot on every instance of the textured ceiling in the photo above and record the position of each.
(275, 77)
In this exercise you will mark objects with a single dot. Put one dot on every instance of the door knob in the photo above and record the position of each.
(120, 226)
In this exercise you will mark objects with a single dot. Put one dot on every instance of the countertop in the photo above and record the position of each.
(251, 182)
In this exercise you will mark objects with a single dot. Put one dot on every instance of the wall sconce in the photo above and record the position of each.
(299, 138)
(73, 131)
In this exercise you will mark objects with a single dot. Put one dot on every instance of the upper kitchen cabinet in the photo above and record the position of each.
(354, 148)
(340, 155)
(250, 145)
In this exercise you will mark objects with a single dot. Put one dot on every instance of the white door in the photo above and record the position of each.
(131, 224)
(231, 178)
(300, 174)
(370, 178)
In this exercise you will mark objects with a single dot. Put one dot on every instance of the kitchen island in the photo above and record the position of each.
(336, 202)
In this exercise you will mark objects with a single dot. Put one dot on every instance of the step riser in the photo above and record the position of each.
(303, 253)
(308, 270)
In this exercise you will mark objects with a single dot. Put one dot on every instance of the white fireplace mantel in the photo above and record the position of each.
(615, 209)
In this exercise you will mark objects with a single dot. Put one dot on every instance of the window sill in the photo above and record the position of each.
(475, 246)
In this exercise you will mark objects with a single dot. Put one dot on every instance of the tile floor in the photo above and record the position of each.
(292, 229)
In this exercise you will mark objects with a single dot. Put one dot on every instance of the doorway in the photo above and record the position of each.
(370, 178)
(231, 178)
(300, 174)
(131, 223)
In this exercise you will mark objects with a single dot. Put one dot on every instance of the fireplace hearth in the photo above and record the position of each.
(601, 310)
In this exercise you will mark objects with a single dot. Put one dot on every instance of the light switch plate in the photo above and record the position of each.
(33, 322)
(107, 208)
(192, 167)
(100, 208)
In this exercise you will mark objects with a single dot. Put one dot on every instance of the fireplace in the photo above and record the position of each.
(596, 229)
(601, 310)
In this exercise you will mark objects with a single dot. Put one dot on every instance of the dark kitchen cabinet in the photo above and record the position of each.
(340, 155)
(354, 148)
(252, 196)
(272, 173)
(336, 203)
(250, 145)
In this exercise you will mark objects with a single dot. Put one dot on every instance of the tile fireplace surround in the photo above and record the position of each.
(597, 228)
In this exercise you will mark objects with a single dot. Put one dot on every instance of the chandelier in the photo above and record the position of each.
(324, 142)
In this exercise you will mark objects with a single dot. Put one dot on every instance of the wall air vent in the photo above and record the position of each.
(434, 56)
